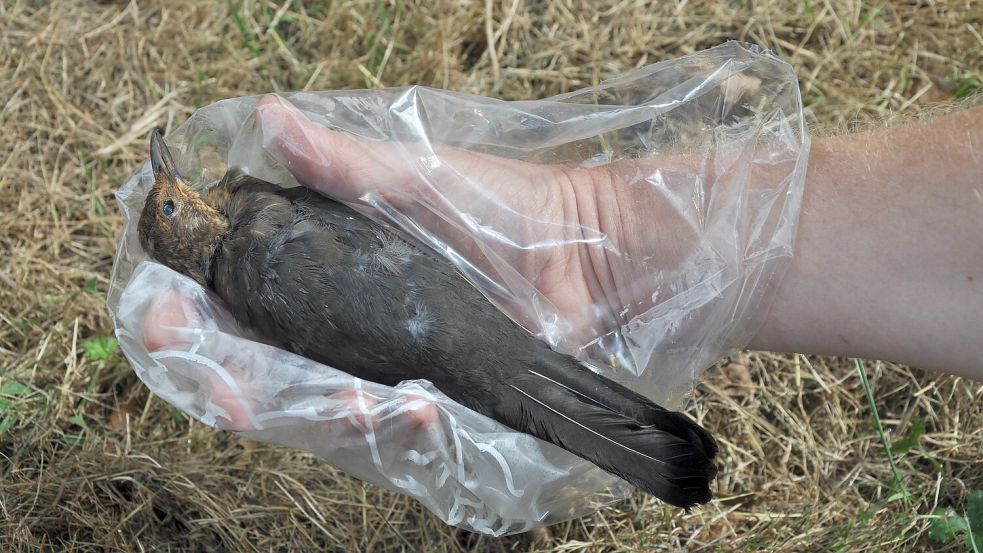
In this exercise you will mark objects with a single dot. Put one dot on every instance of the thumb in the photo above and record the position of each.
(350, 168)
(336, 164)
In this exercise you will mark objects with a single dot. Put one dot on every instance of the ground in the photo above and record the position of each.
(91, 461)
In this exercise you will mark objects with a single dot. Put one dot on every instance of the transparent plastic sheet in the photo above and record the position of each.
(715, 141)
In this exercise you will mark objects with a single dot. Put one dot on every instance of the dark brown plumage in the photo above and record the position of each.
(328, 283)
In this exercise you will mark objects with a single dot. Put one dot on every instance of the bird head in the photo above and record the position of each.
(177, 226)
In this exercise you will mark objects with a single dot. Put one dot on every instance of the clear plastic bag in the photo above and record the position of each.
(714, 140)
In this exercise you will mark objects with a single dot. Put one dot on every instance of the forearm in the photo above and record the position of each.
(889, 253)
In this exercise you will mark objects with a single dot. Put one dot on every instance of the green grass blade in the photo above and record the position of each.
(862, 371)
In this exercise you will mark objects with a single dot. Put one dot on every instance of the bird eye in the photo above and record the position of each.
(168, 207)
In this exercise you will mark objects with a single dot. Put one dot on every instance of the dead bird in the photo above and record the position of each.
(331, 284)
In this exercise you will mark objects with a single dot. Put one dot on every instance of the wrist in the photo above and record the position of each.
(888, 258)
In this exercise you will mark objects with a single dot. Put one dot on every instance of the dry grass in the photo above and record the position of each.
(90, 461)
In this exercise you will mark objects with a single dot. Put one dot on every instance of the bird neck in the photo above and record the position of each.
(204, 229)
(211, 242)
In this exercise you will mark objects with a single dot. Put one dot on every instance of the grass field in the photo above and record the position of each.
(91, 462)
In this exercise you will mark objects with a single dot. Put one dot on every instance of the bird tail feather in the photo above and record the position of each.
(659, 451)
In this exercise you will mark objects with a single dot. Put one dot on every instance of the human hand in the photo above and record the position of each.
(588, 240)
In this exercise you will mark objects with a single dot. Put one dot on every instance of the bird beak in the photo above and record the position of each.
(161, 161)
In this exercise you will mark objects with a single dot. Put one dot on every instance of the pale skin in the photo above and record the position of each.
(888, 260)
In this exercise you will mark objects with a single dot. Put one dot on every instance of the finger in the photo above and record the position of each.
(167, 325)
(232, 400)
(350, 168)
(415, 409)
(422, 411)
(167, 321)
(337, 164)
(358, 407)
(418, 410)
